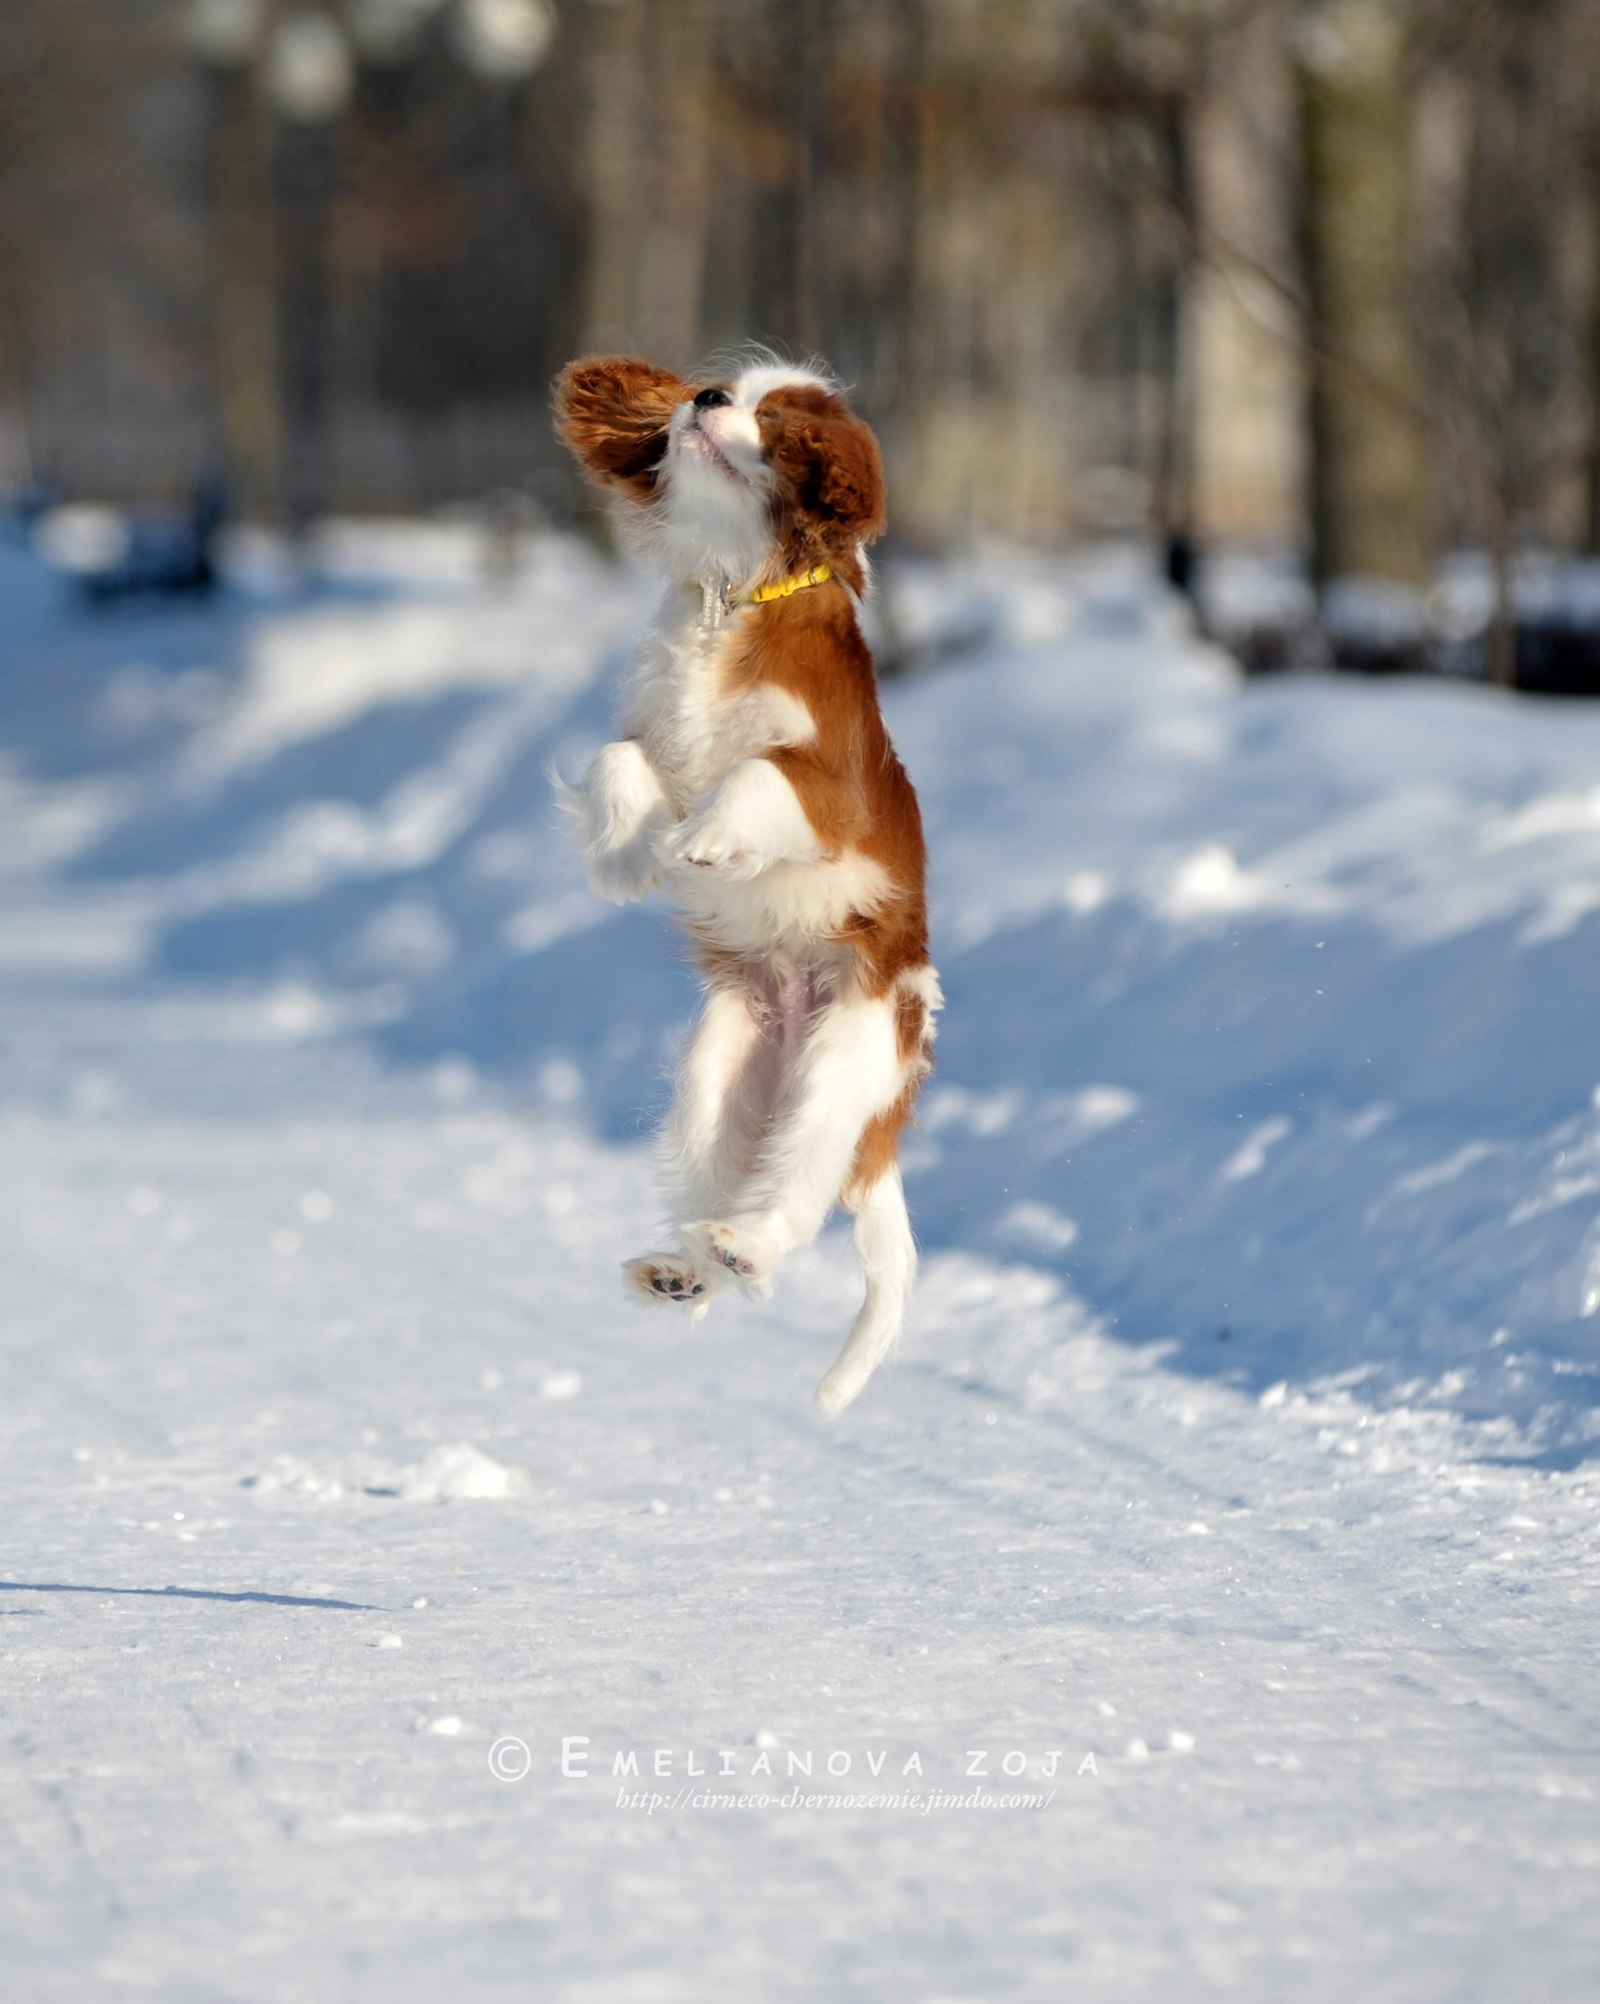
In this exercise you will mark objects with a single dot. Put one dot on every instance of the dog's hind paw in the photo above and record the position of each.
(659, 1278)
(741, 1252)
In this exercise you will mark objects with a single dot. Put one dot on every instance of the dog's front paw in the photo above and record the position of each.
(708, 842)
(623, 876)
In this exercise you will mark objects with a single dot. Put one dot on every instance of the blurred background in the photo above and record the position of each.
(1306, 290)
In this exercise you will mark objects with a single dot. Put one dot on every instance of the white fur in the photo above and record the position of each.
(845, 1069)
(710, 523)
(888, 1256)
(785, 908)
(753, 821)
(785, 716)
(771, 1103)
(782, 1074)
(759, 379)
(726, 1079)
(923, 982)
(622, 812)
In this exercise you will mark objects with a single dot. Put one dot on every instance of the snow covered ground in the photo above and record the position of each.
(1235, 1498)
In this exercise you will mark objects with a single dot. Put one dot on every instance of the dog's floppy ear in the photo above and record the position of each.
(827, 457)
(613, 412)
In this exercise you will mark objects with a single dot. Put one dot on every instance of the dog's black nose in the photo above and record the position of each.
(710, 400)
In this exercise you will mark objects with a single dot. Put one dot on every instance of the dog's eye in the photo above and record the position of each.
(712, 399)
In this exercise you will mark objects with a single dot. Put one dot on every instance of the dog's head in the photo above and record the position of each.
(740, 480)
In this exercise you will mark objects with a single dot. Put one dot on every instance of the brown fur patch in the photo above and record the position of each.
(877, 1148)
(613, 412)
(856, 795)
(880, 1138)
(830, 495)
(912, 1029)
(852, 786)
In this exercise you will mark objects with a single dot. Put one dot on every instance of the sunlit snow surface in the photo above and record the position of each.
(1244, 1438)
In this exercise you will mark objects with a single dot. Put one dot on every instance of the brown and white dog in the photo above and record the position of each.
(754, 782)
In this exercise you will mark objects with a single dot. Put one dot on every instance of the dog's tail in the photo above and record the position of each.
(889, 1257)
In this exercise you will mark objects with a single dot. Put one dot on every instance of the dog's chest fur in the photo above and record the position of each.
(682, 705)
(697, 717)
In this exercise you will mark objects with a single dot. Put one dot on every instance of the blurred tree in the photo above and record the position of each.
(244, 283)
(101, 245)
(1506, 94)
(1245, 267)
(646, 168)
(1372, 504)
(806, 40)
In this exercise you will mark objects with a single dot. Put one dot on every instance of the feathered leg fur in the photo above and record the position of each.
(621, 812)
(843, 1071)
(773, 1099)
(725, 1085)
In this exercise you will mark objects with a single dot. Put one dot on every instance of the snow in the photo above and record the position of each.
(1235, 1489)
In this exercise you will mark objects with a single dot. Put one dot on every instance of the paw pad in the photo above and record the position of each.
(735, 1251)
(659, 1277)
(675, 1286)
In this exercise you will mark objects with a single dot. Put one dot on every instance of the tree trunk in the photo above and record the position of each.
(647, 173)
(1371, 501)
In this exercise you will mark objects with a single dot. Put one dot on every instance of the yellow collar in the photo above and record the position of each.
(786, 587)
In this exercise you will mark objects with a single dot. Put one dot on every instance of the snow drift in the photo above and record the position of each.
(1271, 1007)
